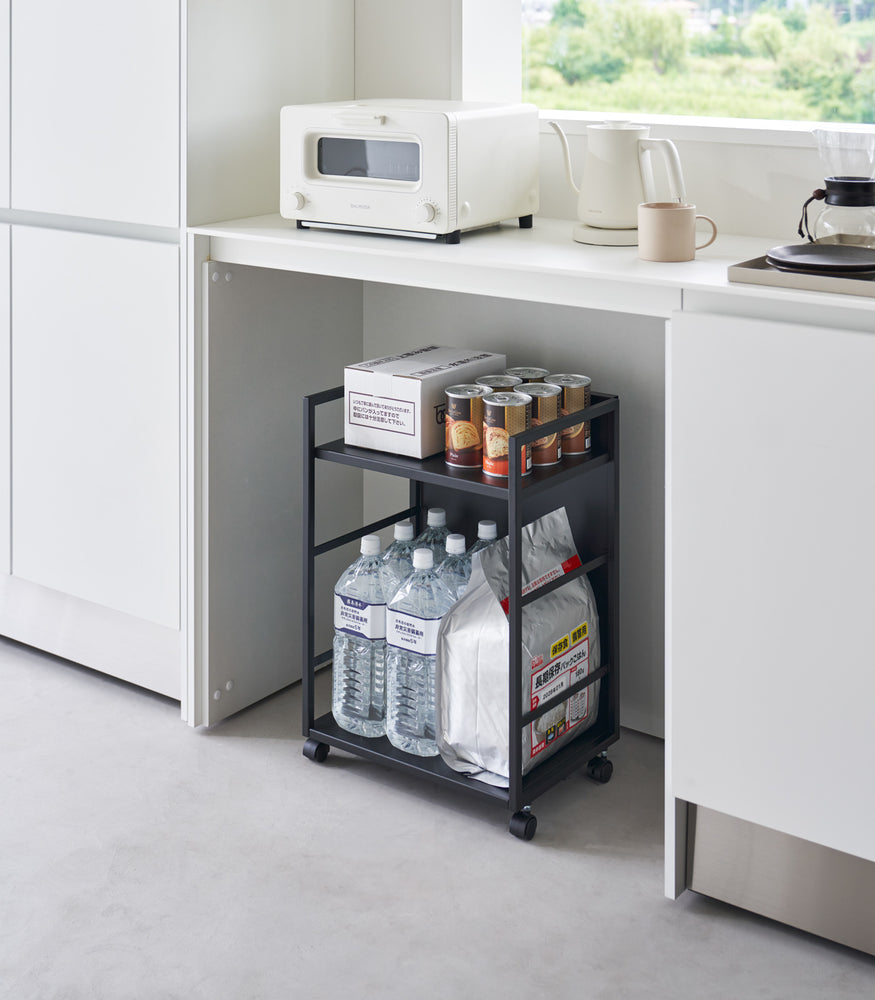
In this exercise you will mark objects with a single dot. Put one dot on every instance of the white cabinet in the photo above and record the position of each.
(96, 109)
(770, 591)
(95, 419)
(127, 119)
(92, 495)
(5, 396)
(4, 105)
(772, 587)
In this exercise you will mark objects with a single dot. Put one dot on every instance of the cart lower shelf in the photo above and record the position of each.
(587, 751)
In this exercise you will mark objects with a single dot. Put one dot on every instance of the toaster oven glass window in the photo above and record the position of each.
(379, 158)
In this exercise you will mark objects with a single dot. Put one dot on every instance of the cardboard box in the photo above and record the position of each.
(397, 404)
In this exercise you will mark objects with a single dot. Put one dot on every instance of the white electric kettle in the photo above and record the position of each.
(617, 178)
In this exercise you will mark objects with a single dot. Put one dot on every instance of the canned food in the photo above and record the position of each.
(545, 407)
(463, 427)
(504, 414)
(577, 439)
(499, 383)
(529, 374)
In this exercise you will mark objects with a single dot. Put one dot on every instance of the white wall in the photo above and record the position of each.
(245, 61)
(438, 49)
(622, 354)
(750, 178)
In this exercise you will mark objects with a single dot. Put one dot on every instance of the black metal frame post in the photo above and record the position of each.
(309, 603)
(515, 622)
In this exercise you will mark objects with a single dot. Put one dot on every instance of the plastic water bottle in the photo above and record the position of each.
(398, 559)
(435, 535)
(487, 532)
(412, 621)
(359, 683)
(455, 570)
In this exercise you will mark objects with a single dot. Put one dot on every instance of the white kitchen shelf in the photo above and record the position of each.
(542, 264)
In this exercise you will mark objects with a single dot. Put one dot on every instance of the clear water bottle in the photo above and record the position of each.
(412, 621)
(435, 535)
(398, 559)
(359, 682)
(487, 532)
(455, 570)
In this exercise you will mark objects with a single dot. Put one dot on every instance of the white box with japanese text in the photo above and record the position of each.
(397, 404)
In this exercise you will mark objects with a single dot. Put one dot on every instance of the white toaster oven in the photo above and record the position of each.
(427, 169)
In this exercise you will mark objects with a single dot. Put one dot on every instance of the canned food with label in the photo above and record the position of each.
(577, 439)
(499, 383)
(545, 407)
(529, 374)
(504, 414)
(464, 425)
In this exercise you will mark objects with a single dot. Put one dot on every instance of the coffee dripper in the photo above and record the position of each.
(848, 215)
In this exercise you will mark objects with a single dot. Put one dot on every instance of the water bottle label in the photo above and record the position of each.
(416, 635)
(359, 618)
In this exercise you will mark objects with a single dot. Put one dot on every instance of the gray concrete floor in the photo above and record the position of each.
(142, 859)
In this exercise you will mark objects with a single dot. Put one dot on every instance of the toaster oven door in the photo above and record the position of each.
(396, 160)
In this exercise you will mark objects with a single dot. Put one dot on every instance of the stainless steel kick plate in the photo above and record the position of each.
(800, 883)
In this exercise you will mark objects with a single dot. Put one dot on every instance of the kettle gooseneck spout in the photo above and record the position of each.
(558, 130)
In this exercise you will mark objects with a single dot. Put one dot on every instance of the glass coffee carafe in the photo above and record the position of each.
(848, 215)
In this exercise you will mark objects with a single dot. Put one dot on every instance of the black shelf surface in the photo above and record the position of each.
(573, 755)
(380, 749)
(435, 470)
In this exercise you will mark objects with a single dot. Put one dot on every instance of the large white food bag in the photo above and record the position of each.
(560, 633)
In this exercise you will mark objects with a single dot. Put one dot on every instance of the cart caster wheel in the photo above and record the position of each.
(600, 769)
(523, 825)
(315, 750)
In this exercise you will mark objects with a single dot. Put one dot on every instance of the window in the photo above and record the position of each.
(767, 59)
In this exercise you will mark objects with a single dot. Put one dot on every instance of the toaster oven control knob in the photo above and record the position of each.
(425, 212)
(296, 201)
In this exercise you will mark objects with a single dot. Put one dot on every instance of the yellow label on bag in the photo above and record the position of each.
(559, 646)
(579, 633)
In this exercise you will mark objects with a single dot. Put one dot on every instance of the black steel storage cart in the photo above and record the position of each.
(587, 486)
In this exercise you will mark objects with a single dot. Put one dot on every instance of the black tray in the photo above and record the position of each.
(823, 258)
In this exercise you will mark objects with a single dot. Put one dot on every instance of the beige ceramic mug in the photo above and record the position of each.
(667, 231)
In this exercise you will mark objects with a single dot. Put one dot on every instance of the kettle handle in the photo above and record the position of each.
(672, 166)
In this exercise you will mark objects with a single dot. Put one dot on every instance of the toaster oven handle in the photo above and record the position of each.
(361, 118)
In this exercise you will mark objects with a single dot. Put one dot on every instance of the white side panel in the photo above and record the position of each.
(4, 103)
(95, 109)
(622, 354)
(95, 420)
(772, 549)
(460, 50)
(272, 339)
(245, 61)
(405, 49)
(491, 47)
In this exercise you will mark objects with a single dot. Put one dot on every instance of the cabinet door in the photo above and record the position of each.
(96, 420)
(4, 104)
(95, 109)
(5, 397)
(770, 574)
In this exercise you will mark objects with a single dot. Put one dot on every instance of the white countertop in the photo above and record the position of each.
(542, 264)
